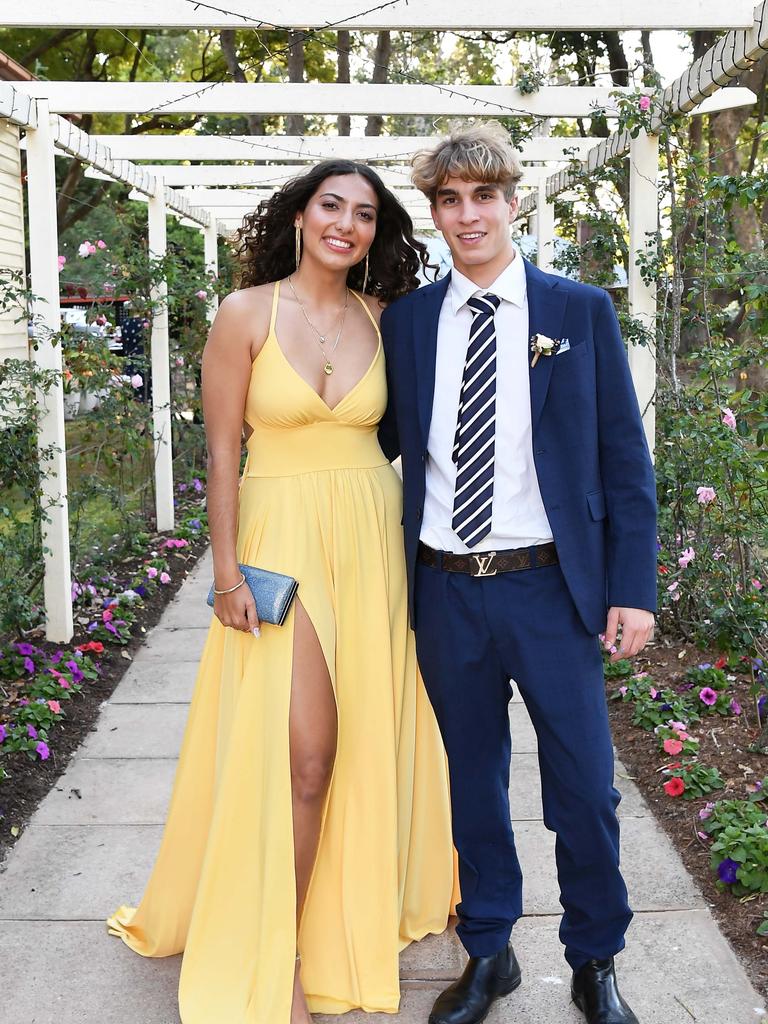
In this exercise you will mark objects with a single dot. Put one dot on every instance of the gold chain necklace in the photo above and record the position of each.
(322, 338)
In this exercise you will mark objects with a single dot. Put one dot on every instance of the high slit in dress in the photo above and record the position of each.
(318, 501)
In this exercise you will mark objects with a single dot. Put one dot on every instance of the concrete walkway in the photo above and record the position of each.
(92, 842)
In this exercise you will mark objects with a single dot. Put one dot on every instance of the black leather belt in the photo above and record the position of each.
(489, 563)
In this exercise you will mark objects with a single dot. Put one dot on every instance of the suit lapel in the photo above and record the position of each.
(546, 310)
(426, 314)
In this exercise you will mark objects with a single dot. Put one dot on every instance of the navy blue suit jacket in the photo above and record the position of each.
(589, 448)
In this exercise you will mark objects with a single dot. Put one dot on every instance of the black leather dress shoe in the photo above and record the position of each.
(595, 992)
(485, 978)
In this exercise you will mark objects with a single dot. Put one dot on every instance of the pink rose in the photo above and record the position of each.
(62, 260)
(756, 584)
(704, 495)
(645, 103)
(164, 577)
(101, 244)
(728, 418)
(202, 294)
(687, 556)
(137, 380)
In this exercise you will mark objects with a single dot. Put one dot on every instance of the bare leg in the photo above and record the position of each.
(312, 730)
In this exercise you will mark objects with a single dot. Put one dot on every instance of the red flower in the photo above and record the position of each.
(721, 662)
(674, 787)
(93, 645)
(663, 570)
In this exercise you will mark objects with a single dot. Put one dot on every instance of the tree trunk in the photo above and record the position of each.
(380, 75)
(294, 123)
(227, 39)
(343, 121)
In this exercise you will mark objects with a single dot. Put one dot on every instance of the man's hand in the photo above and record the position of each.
(636, 630)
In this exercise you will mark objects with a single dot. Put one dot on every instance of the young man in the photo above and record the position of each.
(530, 528)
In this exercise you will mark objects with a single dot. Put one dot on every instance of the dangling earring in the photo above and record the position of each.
(298, 246)
(365, 275)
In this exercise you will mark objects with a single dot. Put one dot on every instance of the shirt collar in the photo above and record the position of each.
(510, 285)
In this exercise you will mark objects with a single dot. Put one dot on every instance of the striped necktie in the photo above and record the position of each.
(474, 444)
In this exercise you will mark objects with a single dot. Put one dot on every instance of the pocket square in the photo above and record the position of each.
(563, 347)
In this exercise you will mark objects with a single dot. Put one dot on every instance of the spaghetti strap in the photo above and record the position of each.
(365, 306)
(275, 299)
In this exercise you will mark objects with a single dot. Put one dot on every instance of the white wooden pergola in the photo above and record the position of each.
(215, 195)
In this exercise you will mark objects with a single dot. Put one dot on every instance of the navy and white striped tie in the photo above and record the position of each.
(475, 441)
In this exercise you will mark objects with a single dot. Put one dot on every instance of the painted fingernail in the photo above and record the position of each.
(256, 631)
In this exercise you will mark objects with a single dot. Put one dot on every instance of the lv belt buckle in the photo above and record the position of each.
(484, 563)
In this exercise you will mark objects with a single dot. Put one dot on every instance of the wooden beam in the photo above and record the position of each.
(319, 98)
(260, 176)
(546, 15)
(311, 148)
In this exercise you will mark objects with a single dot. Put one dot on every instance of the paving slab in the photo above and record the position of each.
(523, 734)
(77, 872)
(110, 791)
(152, 682)
(137, 730)
(191, 613)
(73, 972)
(172, 645)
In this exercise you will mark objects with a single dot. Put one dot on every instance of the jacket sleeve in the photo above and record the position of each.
(388, 433)
(626, 470)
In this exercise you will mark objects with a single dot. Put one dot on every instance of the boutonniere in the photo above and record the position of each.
(541, 345)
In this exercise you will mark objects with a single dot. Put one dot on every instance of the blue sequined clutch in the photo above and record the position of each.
(272, 592)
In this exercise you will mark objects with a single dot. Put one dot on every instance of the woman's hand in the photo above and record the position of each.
(237, 610)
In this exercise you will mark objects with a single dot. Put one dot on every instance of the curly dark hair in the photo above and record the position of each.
(265, 244)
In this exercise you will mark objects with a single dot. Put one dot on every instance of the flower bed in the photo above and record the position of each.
(686, 728)
(50, 695)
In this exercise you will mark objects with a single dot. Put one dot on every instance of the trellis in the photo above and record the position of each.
(187, 191)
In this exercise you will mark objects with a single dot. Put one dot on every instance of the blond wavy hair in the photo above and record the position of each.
(473, 153)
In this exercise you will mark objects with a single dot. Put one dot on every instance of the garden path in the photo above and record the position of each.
(92, 842)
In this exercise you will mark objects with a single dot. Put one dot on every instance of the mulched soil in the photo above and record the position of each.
(724, 744)
(31, 780)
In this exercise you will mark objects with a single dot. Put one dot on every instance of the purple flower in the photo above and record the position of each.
(57, 657)
(43, 751)
(23, 702)
(762, 701)
(91, 627)
(29, 665)
(726, 870)
(735, 707)
(110, 627)
(182, 487)
(705, 665)
(3, 732)
(195, 524)
(26, 649)
(40, 700)
(707, 696)
(141, 590)
(197, 484)
(77, 675)
(706, 811)
(32, 732)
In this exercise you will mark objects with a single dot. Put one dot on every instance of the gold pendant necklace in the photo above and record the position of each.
(322, 338)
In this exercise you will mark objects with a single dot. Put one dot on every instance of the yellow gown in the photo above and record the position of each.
(318, 501)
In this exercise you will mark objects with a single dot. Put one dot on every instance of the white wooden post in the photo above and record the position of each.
(161, 377)
(43, 253)
(211, 255)
(545, 229)
(643, 225)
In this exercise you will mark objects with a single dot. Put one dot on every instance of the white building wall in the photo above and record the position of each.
(13, 336)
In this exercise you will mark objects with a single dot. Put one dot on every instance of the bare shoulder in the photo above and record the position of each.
(244, 315)
(375, 305)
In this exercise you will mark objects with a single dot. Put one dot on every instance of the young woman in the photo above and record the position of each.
(308, 837)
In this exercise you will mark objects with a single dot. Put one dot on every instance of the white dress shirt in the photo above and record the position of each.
(519, 519)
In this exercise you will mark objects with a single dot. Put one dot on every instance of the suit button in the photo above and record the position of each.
(423, 458)
(419, 512)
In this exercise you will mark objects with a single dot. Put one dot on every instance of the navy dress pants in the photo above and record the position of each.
(473, 636)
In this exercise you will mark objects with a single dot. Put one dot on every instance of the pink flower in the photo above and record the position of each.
(703, 836)
(728, 418)
(91, 248)
(707, 696)
(54, 706)
(164, 577)
(151, 571)
(704, 495)
(84, 250)
(677, 726)
(687, 557)
(62, 260)
(623, 691)
(202, 294)
(645, 103)
(101, 244)
(43, 751)
(106, 615)
(653, 693)
(735, 707)
(137, 380)
(756, 584)
(706, 812)
(672, 747)
(64, 683)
